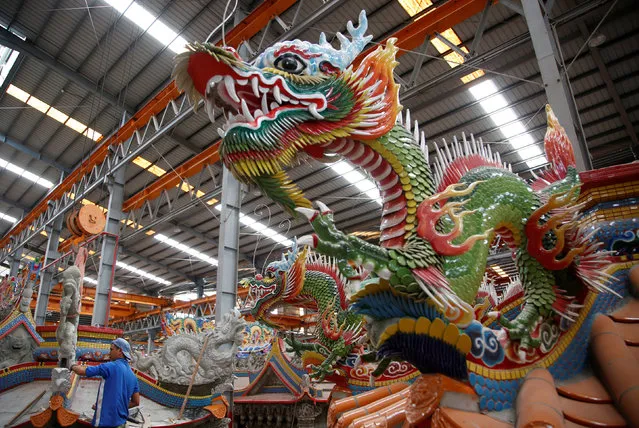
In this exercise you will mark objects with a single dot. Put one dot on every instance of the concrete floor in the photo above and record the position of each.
(14, 400)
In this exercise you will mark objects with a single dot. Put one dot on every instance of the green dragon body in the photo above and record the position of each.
(437, 222)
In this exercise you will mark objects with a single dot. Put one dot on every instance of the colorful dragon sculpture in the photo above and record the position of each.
(306, 279)
(437, 223)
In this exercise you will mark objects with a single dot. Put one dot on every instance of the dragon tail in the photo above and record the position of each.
(559, 153)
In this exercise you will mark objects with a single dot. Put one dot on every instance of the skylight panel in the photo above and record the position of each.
(76, 126)
(251, 223)
(413, 7)
(142, 273)
(358, 179)
(57, 115)
(149, 23)
(38, 104)
(8, 58)
(53, 113)
(90, 280)
(18, 93)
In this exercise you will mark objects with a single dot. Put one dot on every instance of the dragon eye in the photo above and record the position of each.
(290, 63)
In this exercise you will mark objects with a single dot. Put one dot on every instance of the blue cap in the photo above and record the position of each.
(124, 346)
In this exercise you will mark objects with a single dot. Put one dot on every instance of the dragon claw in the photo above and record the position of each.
(310, 240)
(324, 209)
(309, 213)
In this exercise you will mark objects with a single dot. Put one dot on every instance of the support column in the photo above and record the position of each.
(557, 90)
(199, 289)
(228, 245)
(109, 249)
(46, 276)
(14, 263)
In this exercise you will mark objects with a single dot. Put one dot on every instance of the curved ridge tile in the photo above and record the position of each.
(590, 390)
(592, 415)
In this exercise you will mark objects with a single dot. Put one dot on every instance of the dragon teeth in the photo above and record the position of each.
(265, 104)
(277, 94)
(246, 112)
(274, 105)
(221, 132)
(256, 87)
(229, 83)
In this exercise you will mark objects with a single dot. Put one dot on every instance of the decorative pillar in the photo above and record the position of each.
(557, 90)
(109, 249)
(46, 275)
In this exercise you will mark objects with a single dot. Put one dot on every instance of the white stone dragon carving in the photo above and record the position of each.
(175, 361)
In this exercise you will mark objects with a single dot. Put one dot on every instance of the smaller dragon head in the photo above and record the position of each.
(295, 97)
(282, 281)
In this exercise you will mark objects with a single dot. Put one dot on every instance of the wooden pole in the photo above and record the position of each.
(27, 407)
(197, 366)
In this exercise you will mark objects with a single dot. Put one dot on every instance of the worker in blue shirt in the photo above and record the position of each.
(119, 388)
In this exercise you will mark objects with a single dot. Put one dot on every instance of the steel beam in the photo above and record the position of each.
(34, 154)
(46, 274)
(557, 92)
(14, 42)
(228, 254)
(612, 91)
(109, 250)
(514, 6)
(479, 32)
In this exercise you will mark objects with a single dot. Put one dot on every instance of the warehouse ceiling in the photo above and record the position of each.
(75, 71)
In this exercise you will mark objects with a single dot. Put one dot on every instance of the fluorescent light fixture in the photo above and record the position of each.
(493, 103)
(529, 152)
(149, 23)
(358, 179)
(21, 172)
(118, 290)
(483, 89)
(251, 223)
(8, 218)
(186, 249)
(521, 141)
(504, 116)
(142, 273)
(185, 297)
(512, 129)
(536, 161)
(90, 280)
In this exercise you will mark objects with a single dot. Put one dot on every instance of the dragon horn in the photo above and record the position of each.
(351, 49)
(310, 240)
(309, 213)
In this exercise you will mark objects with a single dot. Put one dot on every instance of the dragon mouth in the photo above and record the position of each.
(251, 98)
(258, 293)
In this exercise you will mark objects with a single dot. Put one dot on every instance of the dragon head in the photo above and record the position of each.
(279, 286)
(296, 96)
